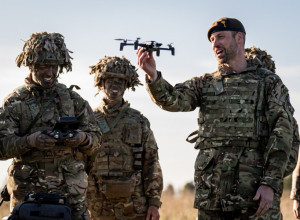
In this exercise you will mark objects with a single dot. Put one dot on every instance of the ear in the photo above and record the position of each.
(239, 38)
(31, 68)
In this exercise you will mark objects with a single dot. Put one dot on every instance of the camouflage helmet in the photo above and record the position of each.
(108, 67)
(45, 48)
(261, 58)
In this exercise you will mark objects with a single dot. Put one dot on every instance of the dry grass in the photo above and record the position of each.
(180, 207)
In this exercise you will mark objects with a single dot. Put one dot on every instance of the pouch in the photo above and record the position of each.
(117, 189)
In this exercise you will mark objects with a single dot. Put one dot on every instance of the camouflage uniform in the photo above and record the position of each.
(244, 137)
(54, 170)
(125, 177)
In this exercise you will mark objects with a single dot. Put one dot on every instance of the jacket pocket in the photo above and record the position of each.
(117, 189)
(250, 172)
(203, 177)
(132, 134)
(75, 177)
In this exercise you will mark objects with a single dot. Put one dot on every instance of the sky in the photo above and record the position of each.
(90, 27)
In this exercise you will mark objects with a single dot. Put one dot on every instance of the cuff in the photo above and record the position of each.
(154, 202)
(273, 183)
(87, 141)
(157, 78)
(86, 145)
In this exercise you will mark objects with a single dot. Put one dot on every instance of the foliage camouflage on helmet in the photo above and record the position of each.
(45, 48)
(115, 67)
(262, 58)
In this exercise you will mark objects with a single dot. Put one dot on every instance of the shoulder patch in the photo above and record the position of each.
(21, 89)
(18, 94)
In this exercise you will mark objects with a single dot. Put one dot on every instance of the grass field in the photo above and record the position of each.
(180, 207)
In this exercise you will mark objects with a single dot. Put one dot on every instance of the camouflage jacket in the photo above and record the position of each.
(23, 105)
(274, 145)
(129, 148)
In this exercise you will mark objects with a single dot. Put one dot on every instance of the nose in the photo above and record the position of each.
(50, 70)
(215, 43)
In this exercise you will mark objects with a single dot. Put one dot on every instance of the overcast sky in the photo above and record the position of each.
(90, 28)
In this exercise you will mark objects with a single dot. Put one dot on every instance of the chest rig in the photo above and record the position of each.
(52, 107)
(120, 152)
(231, 111)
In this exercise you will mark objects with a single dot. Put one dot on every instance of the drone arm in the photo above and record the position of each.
(173, 51)
(121, 46)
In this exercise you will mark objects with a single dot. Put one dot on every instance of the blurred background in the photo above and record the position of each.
(90, 27)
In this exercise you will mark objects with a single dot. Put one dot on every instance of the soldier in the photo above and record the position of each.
(295, 193)
(125, 181)
(245, 128)
(42, 163)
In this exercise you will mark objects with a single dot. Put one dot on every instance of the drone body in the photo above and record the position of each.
(150, 46)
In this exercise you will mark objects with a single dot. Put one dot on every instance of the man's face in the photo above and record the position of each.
(114, 88)
(44, 75)
(224, 46)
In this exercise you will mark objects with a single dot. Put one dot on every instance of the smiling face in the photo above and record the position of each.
(224, 45)
(44, 75)
(114, 89)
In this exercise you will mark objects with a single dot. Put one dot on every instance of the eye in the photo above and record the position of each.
(109, 80)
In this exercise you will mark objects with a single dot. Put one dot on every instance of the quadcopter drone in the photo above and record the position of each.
(149, 45)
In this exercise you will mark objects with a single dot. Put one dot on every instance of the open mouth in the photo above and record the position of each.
(48, 79)
(219, 52)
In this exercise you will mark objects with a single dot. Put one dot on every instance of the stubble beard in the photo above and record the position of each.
(230, 53)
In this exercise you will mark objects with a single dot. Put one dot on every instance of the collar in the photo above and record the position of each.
(224, 70)
(113, 109)
(38, 89)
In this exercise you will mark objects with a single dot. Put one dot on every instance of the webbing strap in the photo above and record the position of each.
(103, 123)
(115, 122)
(44, 107)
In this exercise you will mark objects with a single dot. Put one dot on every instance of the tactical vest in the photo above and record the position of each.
(118, 162)
(120, 152)
(28, 108)
(231, 112)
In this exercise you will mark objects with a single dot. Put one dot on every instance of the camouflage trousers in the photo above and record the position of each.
(65, 177)
(273, 213)
(103, 205)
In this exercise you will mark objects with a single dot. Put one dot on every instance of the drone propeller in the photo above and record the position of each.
(124, 40)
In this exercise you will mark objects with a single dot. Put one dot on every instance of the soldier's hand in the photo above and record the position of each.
(41, 141)
(265, 194)
(147, 63)
(152, 212)
(296, 208)
(77, 140)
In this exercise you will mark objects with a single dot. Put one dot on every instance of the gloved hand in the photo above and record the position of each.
(77, 140)
(41, 141)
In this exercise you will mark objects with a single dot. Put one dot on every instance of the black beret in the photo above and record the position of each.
(226, 24)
